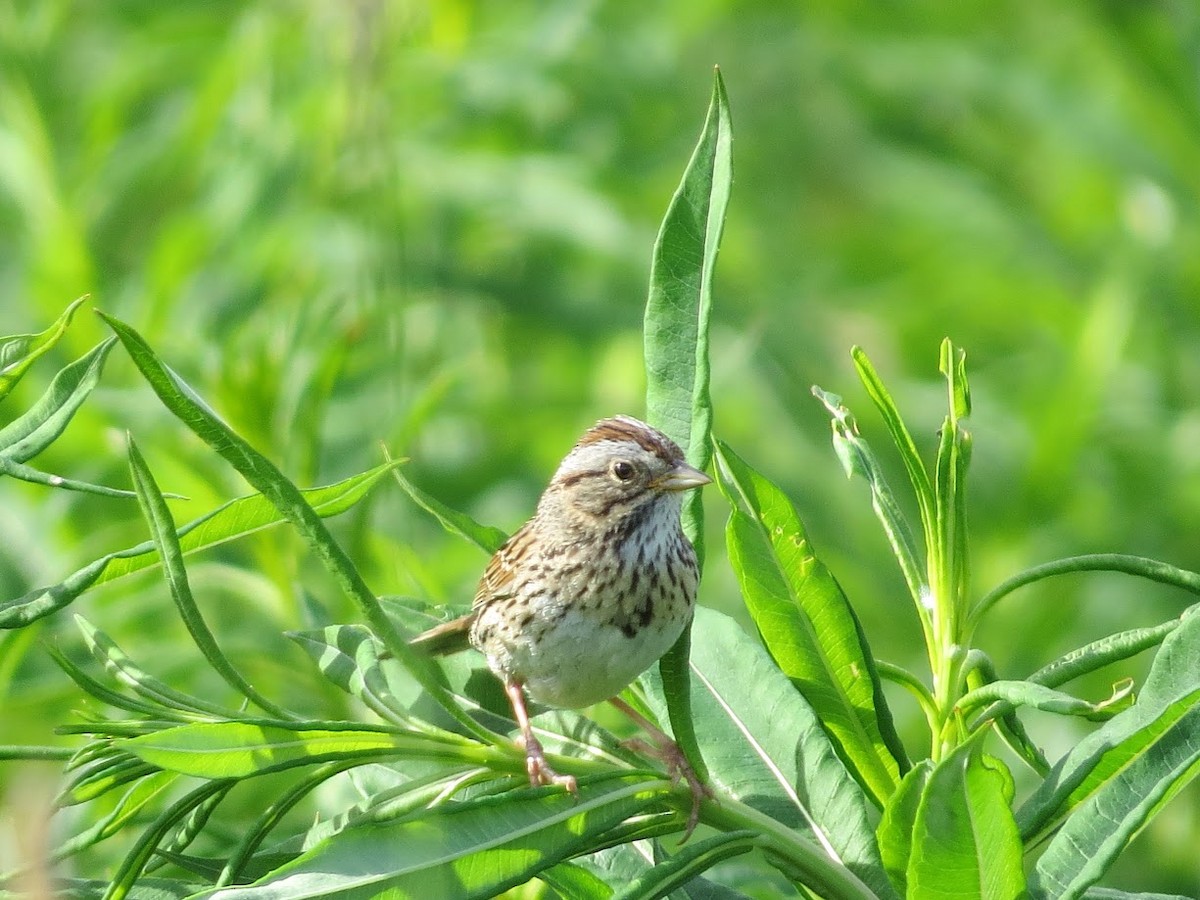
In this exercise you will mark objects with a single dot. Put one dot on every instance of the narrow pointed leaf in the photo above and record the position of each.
(18, 352)
(265, 477)
(917, 474)
(233, 520)
(30, 434)
(858, 459)
(240, 749)
(22, 472)
(127, 672)
(694, 859)
(808, 625)
(487, 537)
(348, 655)
(1024, 693)
(162, 528)
(675, 335)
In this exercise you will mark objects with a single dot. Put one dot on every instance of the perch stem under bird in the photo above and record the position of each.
(591, 591)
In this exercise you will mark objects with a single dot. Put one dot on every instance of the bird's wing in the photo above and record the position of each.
(499, 577)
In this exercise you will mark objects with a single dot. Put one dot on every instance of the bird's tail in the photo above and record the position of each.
(449, 637)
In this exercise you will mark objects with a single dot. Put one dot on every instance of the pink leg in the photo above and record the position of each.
(669, 752)
(535, 760)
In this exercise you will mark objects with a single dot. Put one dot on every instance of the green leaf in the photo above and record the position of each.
(473, 849)
(1117, 778)
(1024, 693)
(240, 749)
(120, 667)
(487, 537)
(917, 474)
(808, 625)
(1139, 566)
(895, 831)
(19, 352)
(35, 476)
(675, 334)
(680, 301)
(954, 455)
(695, 858)
(265, 477)
(572, 882)
(348, 655)
(166, 541)
(233, 520)
(965, 843)
(30, 434)
(858, 459)
(766, 747)
(1171, 692)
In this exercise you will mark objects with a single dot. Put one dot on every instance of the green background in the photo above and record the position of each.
(430, 225)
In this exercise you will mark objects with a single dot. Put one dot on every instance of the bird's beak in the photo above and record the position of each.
(681, 478)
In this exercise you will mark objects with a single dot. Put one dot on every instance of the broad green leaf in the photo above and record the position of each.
(487, 537)
(965, 842)
(233, 520)
(30, 434)
(1149, 729)
(1036, 696)
(895, 831)
(808, 625)
(692, 860)
(767, 749)
(1117, 778)
(1101, 826)
(239, 749)
(18, 352)
(145, 889)
(473, 849)
(675, 334)
(573, 882)
(265, 477)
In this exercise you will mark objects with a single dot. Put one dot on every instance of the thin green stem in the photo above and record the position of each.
(1143, 567)
(914, 686)
(35, 754)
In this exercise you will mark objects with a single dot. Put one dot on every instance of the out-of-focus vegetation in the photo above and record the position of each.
(430, 225)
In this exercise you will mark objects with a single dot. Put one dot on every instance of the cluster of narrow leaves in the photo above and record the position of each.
(425, 794)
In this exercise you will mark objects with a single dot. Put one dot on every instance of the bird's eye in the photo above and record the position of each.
(622, 470)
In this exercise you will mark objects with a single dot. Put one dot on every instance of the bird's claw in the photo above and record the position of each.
(540, 771)
(671, 755)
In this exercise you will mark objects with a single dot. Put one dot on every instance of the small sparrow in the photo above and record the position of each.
(592, 590)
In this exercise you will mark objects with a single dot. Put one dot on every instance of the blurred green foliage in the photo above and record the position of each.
(429, 224)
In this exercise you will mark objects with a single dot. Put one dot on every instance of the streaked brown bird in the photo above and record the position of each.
(592, 590)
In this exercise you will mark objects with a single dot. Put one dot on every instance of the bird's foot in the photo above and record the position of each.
(671, 755)
(540, 771)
